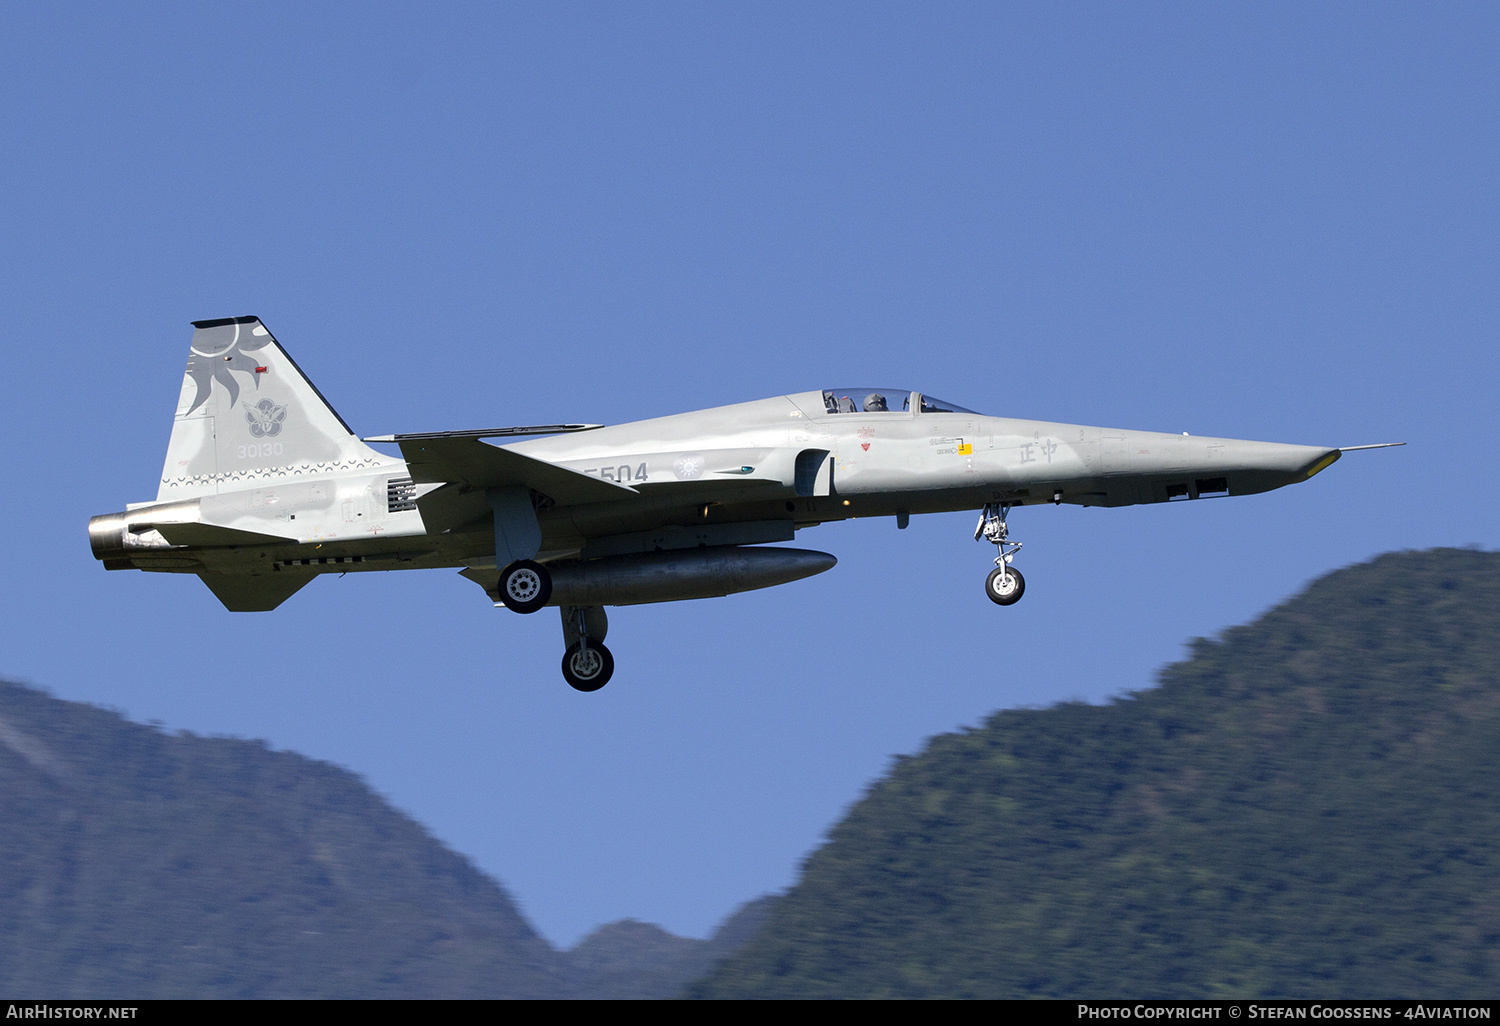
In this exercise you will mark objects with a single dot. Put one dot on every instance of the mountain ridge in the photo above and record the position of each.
(1306, 806)
(153, 864)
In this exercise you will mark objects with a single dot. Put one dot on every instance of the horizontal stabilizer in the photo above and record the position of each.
(254, 593)
(505, 432)
(479, 465)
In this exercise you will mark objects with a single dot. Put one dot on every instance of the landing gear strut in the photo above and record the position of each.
(1004, 585)
(586, 665)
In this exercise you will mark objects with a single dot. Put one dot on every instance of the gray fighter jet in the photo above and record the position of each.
(265, 487)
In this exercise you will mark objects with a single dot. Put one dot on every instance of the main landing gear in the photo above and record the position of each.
(525, 586)
(586, 665)
(588, 669)
(1004, 585)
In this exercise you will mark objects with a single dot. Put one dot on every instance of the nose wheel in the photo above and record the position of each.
(1004, 585)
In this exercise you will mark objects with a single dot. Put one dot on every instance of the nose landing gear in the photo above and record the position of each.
(1004, 585)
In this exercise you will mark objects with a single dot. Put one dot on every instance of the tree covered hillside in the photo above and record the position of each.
(138, 864)
(1308, 806)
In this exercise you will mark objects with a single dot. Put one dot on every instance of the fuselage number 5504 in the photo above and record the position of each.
(624, 472)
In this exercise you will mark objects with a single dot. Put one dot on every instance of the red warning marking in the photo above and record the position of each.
(865, 446)
(260, 370)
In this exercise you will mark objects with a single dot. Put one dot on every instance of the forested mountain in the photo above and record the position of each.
(631, 959)
(1309, 806)
(135, 864)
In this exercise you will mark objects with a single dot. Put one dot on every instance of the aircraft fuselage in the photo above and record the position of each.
(704, 474)
(264, 487)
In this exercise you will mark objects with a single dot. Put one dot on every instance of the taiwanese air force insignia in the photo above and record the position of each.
(265, 418)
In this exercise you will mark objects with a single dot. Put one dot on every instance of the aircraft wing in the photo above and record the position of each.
(466, 460)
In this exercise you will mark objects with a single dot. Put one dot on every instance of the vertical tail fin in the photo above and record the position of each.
(247, 414)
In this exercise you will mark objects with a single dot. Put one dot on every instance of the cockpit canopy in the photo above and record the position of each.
(885, 400)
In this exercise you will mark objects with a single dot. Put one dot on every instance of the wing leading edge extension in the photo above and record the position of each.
(469, 467)
(476, 464)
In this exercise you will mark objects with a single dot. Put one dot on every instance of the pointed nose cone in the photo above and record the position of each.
(1266, 465)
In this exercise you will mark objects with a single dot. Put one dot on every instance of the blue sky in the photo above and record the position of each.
(1272, 221)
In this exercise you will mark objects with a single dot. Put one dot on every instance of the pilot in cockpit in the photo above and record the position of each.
(875, 403)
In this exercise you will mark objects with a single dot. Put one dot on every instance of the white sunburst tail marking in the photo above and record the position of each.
(218, 440)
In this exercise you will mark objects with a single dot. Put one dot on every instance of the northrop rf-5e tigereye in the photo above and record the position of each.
(265, 487)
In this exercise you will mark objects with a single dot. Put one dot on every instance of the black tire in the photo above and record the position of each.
(1005, 592)
(590, 674)
(525, 586)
